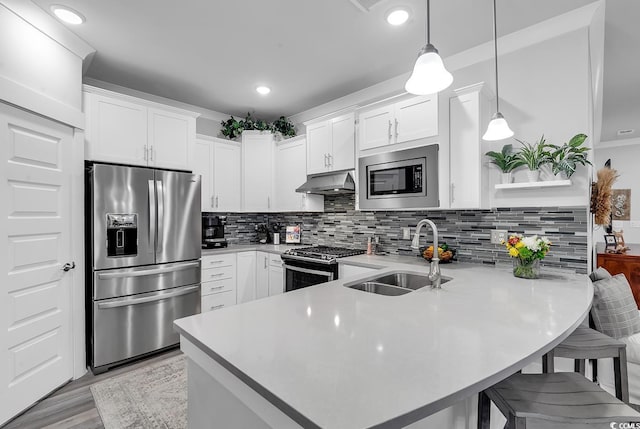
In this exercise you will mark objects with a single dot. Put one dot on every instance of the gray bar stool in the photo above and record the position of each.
(586, 343)
(563, 399)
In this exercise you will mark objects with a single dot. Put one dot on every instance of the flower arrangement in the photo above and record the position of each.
(527, 252)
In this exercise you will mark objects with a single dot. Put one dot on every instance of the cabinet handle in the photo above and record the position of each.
(215, 307)
(268, 202)
(212, 202)
(146, 153)
(396, 131)
(330, 160)
(215, 262)
(265, 262)
(453, 187)
(389, 132)
(216, 201)
(216, 288)
(325, 160)
(216, 275)
(151, 152)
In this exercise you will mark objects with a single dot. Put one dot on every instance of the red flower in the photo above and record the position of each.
(513, 240)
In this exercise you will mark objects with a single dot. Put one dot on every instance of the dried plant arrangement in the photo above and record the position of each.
(601, 195)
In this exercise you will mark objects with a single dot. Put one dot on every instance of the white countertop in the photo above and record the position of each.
(235, 248)
(344, 358)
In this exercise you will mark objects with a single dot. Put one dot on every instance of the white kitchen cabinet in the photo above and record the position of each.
(171, 137)
(218, 281)
(276, 275)
(257, 171)
(402, 121)
(246, 276)
(116, 130)
(331, 145)
(468, 177)
(290, 173)
(218, 161)
(262, 275)
(128, 130)
(259, 275)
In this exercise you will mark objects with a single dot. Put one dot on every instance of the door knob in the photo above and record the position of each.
(69, 266)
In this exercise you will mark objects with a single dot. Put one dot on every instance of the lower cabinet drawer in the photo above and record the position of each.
(214, 261)
(217, 301)
(217, 286)
(218, 273)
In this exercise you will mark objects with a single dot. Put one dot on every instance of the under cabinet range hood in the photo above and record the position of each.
(339, 182)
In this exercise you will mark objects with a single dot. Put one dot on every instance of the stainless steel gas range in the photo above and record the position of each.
(308, 266)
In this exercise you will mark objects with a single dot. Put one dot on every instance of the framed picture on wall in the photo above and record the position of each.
(610, 241)
(292, 234)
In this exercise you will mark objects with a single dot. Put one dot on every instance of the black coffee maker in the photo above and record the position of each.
(213, 231)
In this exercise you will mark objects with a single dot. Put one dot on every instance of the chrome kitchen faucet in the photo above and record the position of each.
(434, 270)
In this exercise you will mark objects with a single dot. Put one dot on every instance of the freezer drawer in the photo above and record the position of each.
(129, 281)
(130, 326)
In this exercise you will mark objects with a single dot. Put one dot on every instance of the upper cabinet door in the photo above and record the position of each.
(202, 165)
(416, 118)
(342, 156)
(227, 194)
(116, 130)
(318, 147)
(257, 168)
(171, 138)
(290, 173)
(376, 127)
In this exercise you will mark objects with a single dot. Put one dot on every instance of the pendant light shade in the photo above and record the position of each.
(429, 75)
(498, 129)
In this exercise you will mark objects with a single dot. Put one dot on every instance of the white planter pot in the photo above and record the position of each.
(533, 175)
(506, 178)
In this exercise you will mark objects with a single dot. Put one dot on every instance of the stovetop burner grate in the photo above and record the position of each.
(323, 252)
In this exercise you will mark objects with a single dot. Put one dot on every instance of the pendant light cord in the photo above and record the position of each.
(495, 50)
(427, 29)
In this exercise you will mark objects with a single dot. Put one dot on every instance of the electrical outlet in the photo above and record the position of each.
(635, 224)
(498, 236)
(406, 233)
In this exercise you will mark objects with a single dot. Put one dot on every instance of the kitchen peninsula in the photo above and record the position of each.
(333, 357)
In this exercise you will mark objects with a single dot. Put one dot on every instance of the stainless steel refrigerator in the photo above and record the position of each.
(144, 233)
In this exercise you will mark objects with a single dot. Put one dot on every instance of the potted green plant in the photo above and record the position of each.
(566, 158)
(534, 155)
(233, 128)
(506, 160)
(283, 126)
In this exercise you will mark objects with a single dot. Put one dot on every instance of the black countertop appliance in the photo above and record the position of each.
(213, 231)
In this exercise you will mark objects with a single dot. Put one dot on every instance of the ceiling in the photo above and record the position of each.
(213, 54)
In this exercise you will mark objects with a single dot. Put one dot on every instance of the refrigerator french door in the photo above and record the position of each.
(145, 250)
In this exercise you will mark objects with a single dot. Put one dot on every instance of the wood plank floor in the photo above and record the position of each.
(72, 405)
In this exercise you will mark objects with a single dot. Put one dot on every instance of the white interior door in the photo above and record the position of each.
(35, 293)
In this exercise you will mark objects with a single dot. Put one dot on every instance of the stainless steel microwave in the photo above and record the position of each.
(403, 179)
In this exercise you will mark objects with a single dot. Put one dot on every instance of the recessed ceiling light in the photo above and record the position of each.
(264, 90)
(397, 16)
(67, 14)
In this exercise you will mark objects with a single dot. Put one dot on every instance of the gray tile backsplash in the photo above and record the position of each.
(468, 231)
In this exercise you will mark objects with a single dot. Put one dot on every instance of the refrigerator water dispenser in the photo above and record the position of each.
(122, 234)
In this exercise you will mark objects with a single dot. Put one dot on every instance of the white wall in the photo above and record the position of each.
(625, 159)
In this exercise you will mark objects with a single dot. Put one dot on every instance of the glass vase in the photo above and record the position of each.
(526, 269)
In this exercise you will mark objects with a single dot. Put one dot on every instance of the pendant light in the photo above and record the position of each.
(429, 75)
(498, 129)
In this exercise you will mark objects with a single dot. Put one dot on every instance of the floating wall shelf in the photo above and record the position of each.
(541, 184)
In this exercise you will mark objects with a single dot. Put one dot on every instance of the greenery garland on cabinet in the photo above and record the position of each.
(233, 128)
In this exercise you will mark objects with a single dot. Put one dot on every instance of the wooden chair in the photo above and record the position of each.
(586, 343)
(563, 399)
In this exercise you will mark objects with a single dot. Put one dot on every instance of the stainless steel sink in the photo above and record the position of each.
(407, 280)
(380, 289)
(394, 283)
